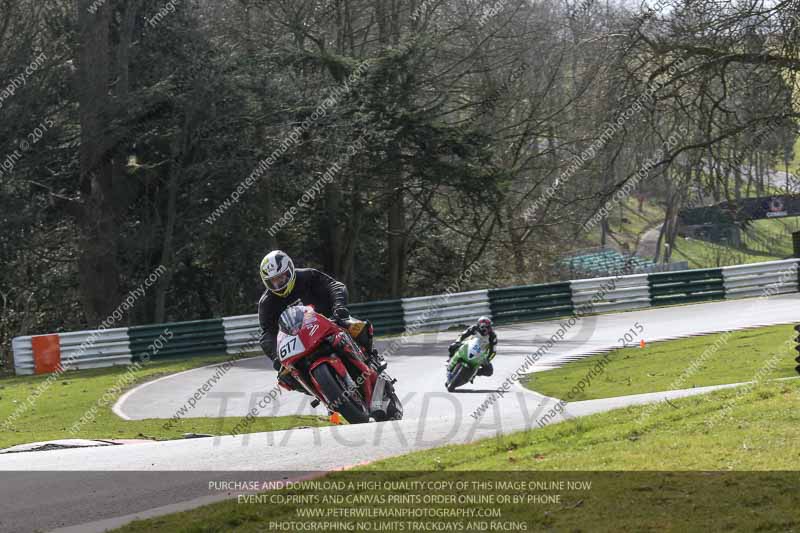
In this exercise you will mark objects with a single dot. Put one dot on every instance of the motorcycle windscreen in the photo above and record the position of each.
(478, 350)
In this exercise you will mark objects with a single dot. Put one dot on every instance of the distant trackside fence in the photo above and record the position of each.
(41, 354)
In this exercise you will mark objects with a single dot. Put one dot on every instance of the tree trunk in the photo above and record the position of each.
(516, 248)
(351, 239)
(397, 240)
(265, 188)
(737, 177)
(98, 271)
(167, 247)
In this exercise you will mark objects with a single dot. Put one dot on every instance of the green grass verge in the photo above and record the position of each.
(74, 393)
(739, 429)
(773, 237)
(703, 254)
(794, 165)
(764, 240)
(704, 432)
(675, 364)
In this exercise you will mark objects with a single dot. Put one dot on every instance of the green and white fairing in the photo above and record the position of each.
(465, 363)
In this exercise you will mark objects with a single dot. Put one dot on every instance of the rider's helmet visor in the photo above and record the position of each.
(279, 282)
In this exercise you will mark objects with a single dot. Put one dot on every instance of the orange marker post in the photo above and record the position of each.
(641, 343)
(46, 353)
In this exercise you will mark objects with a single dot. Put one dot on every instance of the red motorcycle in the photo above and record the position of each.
(332, 367)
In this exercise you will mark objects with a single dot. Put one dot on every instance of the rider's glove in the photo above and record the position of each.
(454, 347)
(276, 365)
(341, 314)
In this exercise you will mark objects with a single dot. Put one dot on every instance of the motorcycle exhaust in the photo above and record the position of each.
(378, 405)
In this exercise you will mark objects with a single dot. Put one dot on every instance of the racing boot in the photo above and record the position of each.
(377, 360)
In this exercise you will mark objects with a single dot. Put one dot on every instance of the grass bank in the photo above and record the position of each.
(717, 359)
(76, 393)
(723, 431)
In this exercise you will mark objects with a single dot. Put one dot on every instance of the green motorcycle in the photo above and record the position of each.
(464, 364)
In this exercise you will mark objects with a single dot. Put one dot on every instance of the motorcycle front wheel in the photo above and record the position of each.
(343, 399)
(458, 377)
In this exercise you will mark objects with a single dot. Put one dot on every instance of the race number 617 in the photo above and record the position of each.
(288, 347)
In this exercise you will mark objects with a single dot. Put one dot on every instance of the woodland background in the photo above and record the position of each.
(449, 119)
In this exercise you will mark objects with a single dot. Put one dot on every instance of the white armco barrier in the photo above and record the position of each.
(120, 346)
(95, 349)
(445, 310)
(78, 350)
(23, 355)
(760, 279)
(242, 334)
(611, 294)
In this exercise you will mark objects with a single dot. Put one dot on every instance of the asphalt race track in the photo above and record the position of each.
(108, 486)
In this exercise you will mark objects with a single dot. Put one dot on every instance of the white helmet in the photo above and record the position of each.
(277, 273)
(484, 325)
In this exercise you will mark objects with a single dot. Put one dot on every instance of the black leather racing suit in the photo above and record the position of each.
(311, 287)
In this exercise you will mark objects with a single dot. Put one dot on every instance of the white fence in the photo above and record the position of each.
(242, 334)
(92, 349)
(761, 279)
(611, 294)
(446, 310)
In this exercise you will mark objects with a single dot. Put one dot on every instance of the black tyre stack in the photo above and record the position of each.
(797, 340)
(796, 242)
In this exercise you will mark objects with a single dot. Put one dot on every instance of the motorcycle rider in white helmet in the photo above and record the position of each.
(484, 328)
(287, 286)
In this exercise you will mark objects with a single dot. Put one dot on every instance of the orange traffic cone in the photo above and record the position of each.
(336, 418)
(642, 343)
